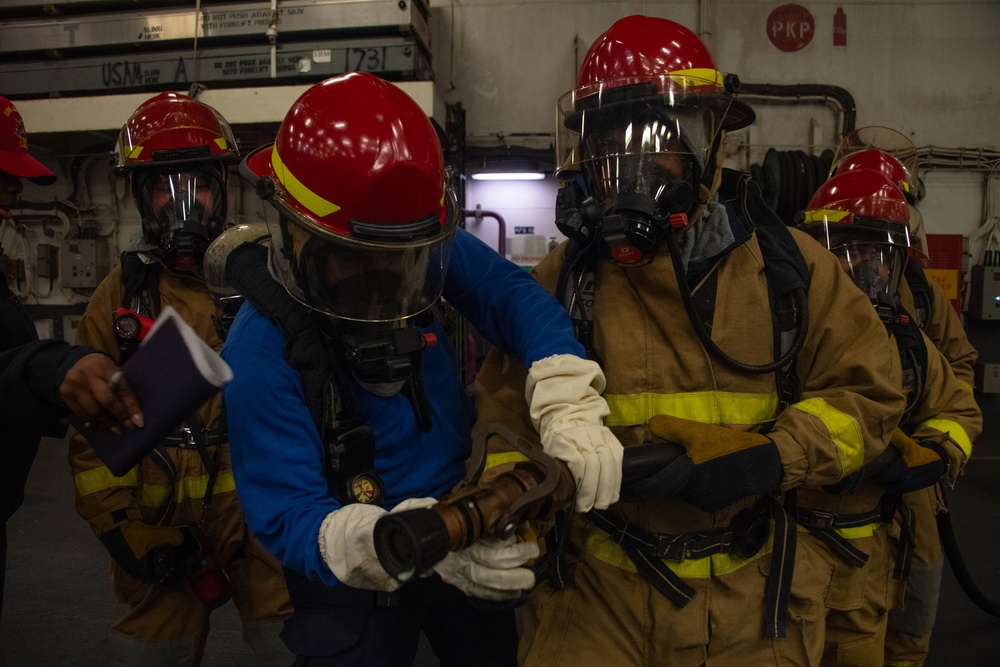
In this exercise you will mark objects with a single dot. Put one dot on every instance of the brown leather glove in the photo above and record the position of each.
(722, 464)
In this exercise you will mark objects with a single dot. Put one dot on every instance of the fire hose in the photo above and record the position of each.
(413, 541)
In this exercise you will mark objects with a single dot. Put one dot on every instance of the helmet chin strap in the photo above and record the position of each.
(386, 358)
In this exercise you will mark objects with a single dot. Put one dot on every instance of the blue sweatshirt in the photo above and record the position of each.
(278, 455)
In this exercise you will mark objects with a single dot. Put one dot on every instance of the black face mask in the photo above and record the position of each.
(634, 228)
(183, 246)
(383, 355)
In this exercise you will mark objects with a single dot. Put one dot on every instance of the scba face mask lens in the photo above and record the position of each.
(875, 268)
(181, 213)
(361, 281)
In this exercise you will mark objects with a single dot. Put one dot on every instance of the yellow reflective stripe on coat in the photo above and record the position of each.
(852, 533)
(964, 385)
(151, 495)
(707, 407)
(844, 430)
(954, 431)
(101, 479)
(599, 544)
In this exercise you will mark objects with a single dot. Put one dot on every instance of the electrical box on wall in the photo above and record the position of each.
(984, 293)
(987, 378)
(70, 324)
(84, 262)
(48, 256)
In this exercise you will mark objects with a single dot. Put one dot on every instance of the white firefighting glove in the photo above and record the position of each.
(491, 569)
(347, 544)
(567, 409)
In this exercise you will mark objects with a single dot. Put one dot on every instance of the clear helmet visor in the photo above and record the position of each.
(359, 279)
(873, 254)
(189, 202)
(640, 135)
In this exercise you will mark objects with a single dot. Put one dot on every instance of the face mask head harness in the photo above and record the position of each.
(174, 150)
(863, 219)
(644, 126)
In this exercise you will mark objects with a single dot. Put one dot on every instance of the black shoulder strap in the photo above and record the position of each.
(575, 290)
(913, 357)
(139, 277)
(350, 444)
(923, 296)
(786, 271)
(305, 349)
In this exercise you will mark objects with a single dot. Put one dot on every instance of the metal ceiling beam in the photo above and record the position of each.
(237, 105)
(157, 28)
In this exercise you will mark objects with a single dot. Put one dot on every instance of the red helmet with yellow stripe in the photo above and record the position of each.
(647, 115)
(894, 155)
(171, 128)
(366, 212)
(863, 218)
(882, 162)
(174, 150)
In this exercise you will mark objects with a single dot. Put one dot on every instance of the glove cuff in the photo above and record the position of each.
(347, 546)
(563, 387)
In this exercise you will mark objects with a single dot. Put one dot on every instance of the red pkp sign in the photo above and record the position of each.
(790, 27)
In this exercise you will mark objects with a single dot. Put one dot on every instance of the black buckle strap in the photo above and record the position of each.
(907, 541)
(684, 546)
(192, 438)
(745, 536)
(779, 580)
(553, 564)
(823, 526)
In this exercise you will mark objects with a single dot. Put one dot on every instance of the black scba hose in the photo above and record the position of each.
(946, 531)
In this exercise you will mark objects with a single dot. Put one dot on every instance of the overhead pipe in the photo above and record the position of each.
(843, 99)
(479, 214)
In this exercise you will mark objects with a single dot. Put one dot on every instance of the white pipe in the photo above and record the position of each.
(272, 36)
(197, 24)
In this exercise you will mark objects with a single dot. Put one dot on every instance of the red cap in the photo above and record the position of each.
(14, 156)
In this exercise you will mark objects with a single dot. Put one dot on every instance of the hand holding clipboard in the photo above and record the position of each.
(172, 373)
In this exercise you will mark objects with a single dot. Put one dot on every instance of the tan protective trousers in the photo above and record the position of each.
(911, 620)
(612, 617)
(858, 600)
(170, 623)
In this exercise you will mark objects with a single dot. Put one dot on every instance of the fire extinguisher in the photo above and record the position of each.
(840, 27)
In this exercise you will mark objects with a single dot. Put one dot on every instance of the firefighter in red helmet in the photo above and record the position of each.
(895, 156)
(863, 218)
(179, 505)
(723, 335)
(339, 333)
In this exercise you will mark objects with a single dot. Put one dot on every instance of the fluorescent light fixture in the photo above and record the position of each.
(509, 176)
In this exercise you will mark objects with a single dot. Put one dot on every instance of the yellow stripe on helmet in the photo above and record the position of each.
(293, 186)
(698, 76)
(134, 153)
(825, 215)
